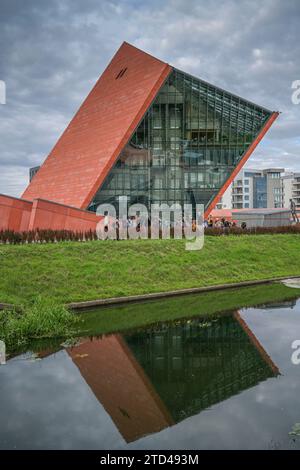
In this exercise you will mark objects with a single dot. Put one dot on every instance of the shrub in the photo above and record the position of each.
(217, 231)
(45, 236)
(53, 236)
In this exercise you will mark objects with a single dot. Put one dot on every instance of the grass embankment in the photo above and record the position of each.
(73, 271)
(206, 305)
(40, 279)
(148, 314)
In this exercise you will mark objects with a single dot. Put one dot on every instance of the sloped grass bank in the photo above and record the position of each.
(130, 316)
(72, 271)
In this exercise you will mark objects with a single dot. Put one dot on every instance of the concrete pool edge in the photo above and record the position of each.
(85, 305)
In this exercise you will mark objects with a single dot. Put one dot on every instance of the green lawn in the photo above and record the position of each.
(74, 271)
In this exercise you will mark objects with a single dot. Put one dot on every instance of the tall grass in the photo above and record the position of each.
(42, 318)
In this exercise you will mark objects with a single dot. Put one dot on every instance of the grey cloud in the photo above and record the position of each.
(53, 52)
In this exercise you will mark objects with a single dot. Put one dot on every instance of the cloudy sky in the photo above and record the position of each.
(53, 51)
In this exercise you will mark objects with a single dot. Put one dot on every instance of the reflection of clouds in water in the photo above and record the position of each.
(47, 404)
(261, 417)
(242, 422)
(276, 329)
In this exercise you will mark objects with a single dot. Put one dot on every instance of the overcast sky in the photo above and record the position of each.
(53, 51)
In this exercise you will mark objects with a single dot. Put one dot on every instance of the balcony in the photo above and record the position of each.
(237, 192)
(237, 205)
(237, 184)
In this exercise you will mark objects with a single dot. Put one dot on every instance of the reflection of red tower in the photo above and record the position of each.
(120, 384)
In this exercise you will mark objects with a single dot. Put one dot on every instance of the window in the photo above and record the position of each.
(247, 205)
(193, 178)
(246, 182)
(121, 73)
(175, 116)
(246, 190)
(174, 144)
(186, 180)
(246, 198)
(157, 118)
(158, 183)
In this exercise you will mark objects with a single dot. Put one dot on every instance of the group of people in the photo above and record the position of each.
(138, 223)
(222, 223)
(124, 223)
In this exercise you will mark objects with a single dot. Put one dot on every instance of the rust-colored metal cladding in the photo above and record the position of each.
(242, 162)
(56, 216)
(88, 148)
(14, 213)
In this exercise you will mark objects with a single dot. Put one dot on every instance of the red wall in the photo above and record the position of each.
(89, 147)
(55, 216)
(14, 213)
(21, 215)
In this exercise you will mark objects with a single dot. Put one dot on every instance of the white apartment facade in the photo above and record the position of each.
(291, 188)
(259, 189)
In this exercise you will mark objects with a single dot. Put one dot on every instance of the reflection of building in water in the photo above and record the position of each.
(120, 384)
(193, 366)
(154, 378)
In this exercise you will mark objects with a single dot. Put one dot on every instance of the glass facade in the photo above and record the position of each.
(186, 146)
(33, 171)
(260, 192)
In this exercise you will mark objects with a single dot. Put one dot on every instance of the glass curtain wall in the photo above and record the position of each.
(187, 145)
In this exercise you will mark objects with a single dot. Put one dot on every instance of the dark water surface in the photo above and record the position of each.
(222, 383)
